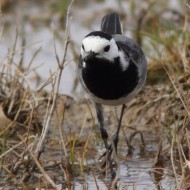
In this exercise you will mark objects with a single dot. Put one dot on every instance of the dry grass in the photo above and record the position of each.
(54, 160)
(23, 113)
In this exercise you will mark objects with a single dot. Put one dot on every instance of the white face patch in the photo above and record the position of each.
(97, 44)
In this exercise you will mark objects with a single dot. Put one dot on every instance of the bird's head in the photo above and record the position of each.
(99, 45)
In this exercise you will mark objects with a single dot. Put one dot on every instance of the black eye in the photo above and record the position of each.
(82, 46)
(107, 48)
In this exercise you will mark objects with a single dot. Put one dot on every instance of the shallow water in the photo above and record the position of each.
(135, 170)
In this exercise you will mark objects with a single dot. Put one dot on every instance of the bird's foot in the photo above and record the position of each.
(107, 165)
(108, 160)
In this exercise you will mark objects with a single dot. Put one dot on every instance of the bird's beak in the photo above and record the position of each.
(89, 56)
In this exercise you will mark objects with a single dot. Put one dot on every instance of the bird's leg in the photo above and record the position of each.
(99, 111)
(116, 135)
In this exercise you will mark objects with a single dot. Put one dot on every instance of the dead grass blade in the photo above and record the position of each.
(56, 84)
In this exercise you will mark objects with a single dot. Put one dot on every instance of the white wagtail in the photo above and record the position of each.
(112, 69)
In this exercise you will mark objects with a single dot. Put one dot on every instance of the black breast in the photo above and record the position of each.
(107, 81)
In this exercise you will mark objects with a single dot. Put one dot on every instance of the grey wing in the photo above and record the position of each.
(111, 24)
(133, 52)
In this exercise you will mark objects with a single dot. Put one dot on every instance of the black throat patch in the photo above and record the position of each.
(107, 81)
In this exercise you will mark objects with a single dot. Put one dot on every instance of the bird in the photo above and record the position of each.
(112, 69)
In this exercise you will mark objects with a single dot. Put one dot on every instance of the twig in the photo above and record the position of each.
(14, 47)
(45, 175)
(14, 147)
(57, 83)
(60, 122)
(33, 57)
(178, 93)
(97, 187)
(172, 161)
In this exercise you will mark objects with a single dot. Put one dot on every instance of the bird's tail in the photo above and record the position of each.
(111, 24)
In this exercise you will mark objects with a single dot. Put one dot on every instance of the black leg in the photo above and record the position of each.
(99, 111)
(116, 135)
